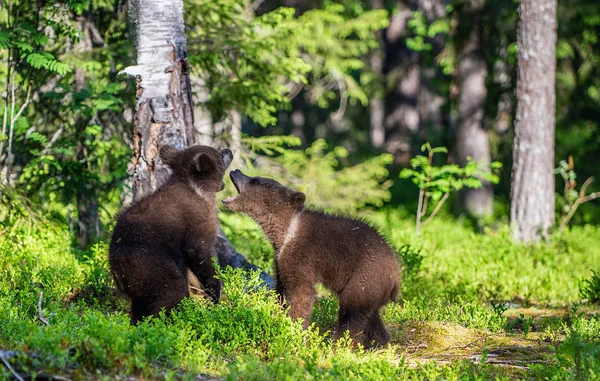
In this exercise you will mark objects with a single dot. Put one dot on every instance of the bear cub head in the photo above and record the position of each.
(258, 196)
(201, 167)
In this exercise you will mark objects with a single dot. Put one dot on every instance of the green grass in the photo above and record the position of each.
(474, 306)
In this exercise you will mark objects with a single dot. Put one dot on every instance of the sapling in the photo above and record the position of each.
(437, 182)
(571, 197)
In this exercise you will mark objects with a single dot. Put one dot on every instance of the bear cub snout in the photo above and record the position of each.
(347, 255)
(158, 238)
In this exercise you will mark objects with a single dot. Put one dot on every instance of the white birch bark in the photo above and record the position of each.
(164, 113)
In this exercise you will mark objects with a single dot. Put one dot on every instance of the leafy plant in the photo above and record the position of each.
(571, 197)
(590, 288)
(437, 182)
(412, 259)
(318, 172)
(256, 64)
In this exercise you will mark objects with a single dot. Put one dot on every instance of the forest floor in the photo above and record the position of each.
(511, 353)
(473, 306)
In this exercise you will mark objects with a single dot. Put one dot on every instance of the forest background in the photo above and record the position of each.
(337, 99)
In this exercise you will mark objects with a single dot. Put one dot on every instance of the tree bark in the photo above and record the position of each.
(402, 68)
(472, 137)
(86, 194)
(164, 111)
(413, 102)
(376, 103)
(532, 184)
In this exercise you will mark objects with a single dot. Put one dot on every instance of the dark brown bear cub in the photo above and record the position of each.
(348, 256)
(158, 238)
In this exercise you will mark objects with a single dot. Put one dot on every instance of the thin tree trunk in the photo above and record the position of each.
(376, 104)
(401, 67)
(430, 101)
(532, 184)
(202, 117)
(472, 137)
(413, 103)
(164, 112)
(86, 195)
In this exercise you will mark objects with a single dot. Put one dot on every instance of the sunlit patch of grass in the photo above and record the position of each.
(467, 312)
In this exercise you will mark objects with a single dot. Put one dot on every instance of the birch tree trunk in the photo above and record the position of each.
(472, 137)
(164, 111)
(532, 184)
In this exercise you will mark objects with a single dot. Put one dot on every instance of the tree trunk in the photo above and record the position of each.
(164, 111)
(86, 194)
(202, 118)
(403, 69)
(472, 137)
(413, 102)
(376, 103)
(532, 184)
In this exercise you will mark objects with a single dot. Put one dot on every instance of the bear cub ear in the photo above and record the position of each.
(297, 198)
(167, 154)
(204, 163)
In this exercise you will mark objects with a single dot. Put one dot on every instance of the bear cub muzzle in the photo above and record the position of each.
(347, 255)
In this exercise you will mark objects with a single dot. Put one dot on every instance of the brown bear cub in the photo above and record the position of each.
(158, 238)
(348, 256)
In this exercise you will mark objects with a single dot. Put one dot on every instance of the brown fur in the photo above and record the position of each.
(157, 239)
(348, 256)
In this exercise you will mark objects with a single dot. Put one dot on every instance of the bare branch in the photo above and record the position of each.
(256, 4)
(580, 200)
(419, 211)
(437, 208)
(40, 316)
(13, 120)
(295, 91)
(590, 197)
(339, 114)
(584, 186)
(12, 370)
(53, 140)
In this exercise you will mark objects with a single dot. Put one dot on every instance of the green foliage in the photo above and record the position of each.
(70, 137)
(459, 262)
(411, 261)
(590, 288)
(466, 313)
(318, 172)
(48, 62)
(437, 182)
(252, 63)
(247, 335)
(577, 356)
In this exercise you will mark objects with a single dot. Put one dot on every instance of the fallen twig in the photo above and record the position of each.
(12, 370)
(40, 316)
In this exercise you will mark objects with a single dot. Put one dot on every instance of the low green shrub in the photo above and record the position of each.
(590, 288)
(450, 277)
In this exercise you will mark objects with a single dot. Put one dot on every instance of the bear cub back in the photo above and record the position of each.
(347, 255)
(159, 238)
